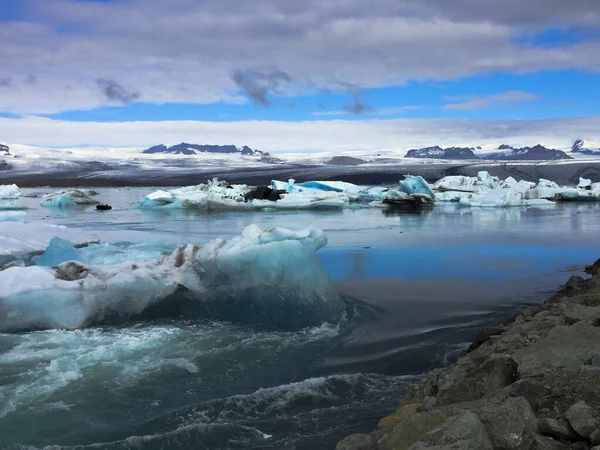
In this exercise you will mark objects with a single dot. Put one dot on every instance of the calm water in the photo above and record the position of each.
(417, 289)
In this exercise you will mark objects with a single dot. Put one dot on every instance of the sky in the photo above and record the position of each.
(286, 73)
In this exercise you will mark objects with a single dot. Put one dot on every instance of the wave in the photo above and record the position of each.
(267, 277)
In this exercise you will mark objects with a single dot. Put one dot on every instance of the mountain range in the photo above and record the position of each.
(194, 149)
(504, 152)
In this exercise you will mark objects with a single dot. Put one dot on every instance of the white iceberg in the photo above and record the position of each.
(267, 277)
(584, 183)
(460, 183)
(12, 216)
(68, 198)
(10, 191)
(501, 198)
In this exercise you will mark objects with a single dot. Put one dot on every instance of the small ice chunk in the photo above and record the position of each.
(10, 191)
(416, 185)
(584, 183)
(68, 198)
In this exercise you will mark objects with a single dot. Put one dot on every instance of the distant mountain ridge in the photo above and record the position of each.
(585, 147)
(4, 149)
(505, 153)
(193, 149)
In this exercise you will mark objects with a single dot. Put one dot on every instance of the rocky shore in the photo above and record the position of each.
(532, 383)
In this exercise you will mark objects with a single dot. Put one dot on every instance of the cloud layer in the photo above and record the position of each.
(190, 51)
(309, 136)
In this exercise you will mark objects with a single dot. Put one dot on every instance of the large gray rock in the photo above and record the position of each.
(510, 425)
(492, 375)
(357, 442)
(412, 429)
(558, 428)
(582, 418)
(565, 347)
(548, 443)
(462, 432)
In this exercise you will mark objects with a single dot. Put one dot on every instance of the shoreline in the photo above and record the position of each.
(561, 173)
(531, 383)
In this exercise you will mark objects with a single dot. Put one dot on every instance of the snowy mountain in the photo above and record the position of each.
(194, 149)
(504, 152)
(442, 153)
(4, 150)
(586, 147)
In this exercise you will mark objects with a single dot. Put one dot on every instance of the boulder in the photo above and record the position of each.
(510, 425)
(401, 413)
(557, 428)
(412, 429)
(357, 442)
(462, 432)
(582, 418)
(494, 374)
(548, 443)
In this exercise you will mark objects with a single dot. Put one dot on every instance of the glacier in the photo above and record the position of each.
(68, 198)
(267, 277)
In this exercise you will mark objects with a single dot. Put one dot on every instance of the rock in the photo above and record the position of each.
(494, 374)
(573, 283)
(594, 360)
(412, 429)
(414, 202)
(510, 425)
(357, 442)
(484, 336)
(595, 437)
(580, 445)
(547, 443)
(564, 347)
(582, 419)
(461, 432)
(401, 413)
(263, 193)
(593, 269)
(558, 428)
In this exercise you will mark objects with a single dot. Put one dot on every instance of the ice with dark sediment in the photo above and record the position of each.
(68, 198)
(268, 277)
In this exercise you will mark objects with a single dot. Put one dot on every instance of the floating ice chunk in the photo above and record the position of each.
(500, 198)
(416, 185)
(68, 198)
(320, 200)
(457, 183)
(12, 216)
(268, 277)
(19, 241)
(10, 191)
(584, 183)
(579, 195)
(59, 250)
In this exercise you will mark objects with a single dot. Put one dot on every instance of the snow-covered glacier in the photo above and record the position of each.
(270, 277)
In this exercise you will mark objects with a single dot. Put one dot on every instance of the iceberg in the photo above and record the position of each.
(460, 183)
(68, 198)
(8, 192)
(268, 277)
(416, 185)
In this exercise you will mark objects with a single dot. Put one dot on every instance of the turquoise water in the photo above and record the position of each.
(416, 288)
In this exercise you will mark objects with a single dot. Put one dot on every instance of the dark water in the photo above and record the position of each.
(416, 289)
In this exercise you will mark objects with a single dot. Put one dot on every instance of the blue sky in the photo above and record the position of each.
(121, 61)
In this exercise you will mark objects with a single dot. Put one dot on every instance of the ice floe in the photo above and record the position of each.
(483, 190)
(68, 198)
(267, 277)
(20, 240)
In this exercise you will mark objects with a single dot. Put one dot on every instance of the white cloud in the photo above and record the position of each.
(185, 50)
(500, 100)
(314, 136)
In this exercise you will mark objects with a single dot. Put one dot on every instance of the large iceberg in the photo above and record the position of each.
(487, 191)
(68, 198)
(10, 191)
(269, 277)
(218, 195)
